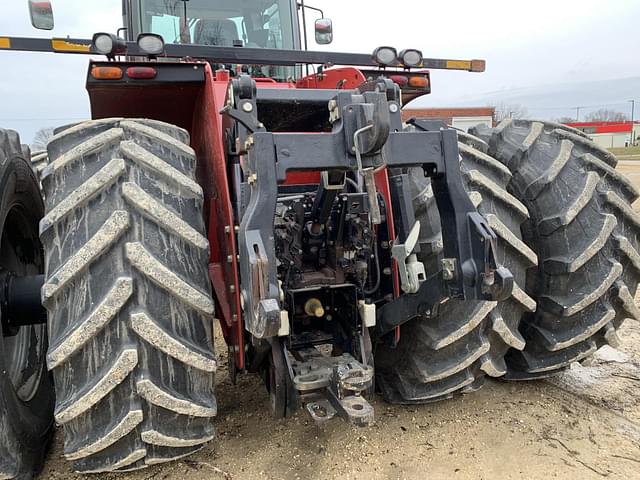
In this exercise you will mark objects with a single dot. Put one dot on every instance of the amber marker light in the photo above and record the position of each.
(418, 82)
(107, 73)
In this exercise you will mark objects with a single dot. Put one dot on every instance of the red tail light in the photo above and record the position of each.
(399, 80)
(141, 73)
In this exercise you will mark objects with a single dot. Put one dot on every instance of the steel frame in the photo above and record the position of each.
(372, 119)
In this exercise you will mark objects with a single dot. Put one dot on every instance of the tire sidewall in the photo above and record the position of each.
(29, 422)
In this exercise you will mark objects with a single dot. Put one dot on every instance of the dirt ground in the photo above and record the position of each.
(583, 424)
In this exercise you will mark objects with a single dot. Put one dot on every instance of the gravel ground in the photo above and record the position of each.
(583, 424)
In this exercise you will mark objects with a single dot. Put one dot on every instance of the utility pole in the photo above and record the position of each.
(577, 114)
(633, 104)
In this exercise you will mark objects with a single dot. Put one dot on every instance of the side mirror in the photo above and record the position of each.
(41, 14)
(324, 31)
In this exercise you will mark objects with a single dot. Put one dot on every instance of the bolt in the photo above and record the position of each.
(227, 229)
(232, 288)
(247, 107)
(393, 108)
(251, 179)
(229, 258)
(387, 271)
(236, 228)
(384, 244)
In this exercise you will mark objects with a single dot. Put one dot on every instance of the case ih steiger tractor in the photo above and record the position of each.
(342, 251)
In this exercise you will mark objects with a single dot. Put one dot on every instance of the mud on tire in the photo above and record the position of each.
(468, 339)
(128, 294)
(585, 233)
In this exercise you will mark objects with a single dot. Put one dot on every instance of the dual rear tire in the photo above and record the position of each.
(585, 233)
(26, 388)
(568, 233)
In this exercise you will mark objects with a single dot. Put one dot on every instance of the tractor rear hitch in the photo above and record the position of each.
(332, 385)
(311, 246)
(366, 135)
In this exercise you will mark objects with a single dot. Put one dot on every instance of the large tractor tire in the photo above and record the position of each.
(586, 235)
(128, 294)
(26, 389)
(467, 340)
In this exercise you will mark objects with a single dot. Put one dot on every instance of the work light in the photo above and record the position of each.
(108, 44)
(410, 57)
(385, 56)
(151, 44)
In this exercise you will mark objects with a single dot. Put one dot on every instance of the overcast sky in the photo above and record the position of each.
(526, 44)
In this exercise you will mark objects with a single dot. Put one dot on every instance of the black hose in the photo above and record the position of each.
(354, 184)
(377, 263)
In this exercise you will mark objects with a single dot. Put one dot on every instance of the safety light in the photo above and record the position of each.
(108, 44)
(142, 73)
(385, 56)
(478, 65)
(418, 82)
(399, 80)
(106, 73)
(151, 44)
(411, 57)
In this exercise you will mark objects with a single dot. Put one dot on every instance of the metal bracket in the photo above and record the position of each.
(412, 272)
(332, 385)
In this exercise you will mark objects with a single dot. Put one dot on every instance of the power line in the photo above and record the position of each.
(34, 119)
(581, 107)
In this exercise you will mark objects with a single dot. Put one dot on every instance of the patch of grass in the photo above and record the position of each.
(625, 151)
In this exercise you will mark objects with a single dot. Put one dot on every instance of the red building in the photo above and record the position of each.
(610, 134)
(462, 118)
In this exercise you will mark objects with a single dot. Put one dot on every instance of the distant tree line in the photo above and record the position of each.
(601, 115)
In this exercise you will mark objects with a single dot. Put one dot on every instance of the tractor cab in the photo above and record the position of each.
(272, 24)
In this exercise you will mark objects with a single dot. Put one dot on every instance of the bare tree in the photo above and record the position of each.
(565, 120)
(41, 138)
(510, 110)
(606, 115)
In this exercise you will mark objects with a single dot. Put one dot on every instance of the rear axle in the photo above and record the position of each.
(20, 303)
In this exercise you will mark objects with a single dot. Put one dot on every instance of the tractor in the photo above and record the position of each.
(229, 174)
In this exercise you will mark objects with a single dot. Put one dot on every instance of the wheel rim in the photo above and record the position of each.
(23, 353)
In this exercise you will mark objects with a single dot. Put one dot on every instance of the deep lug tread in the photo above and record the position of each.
(105, 311)
(452, 352)
(122, 428)
(70, 407)
(588, 144)
(157, 454)
(104, 239)
(606, 171)
(576, 260)
(550, 224)
(90, 189)
(534, 188)
(588, 247)
(133, 264)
